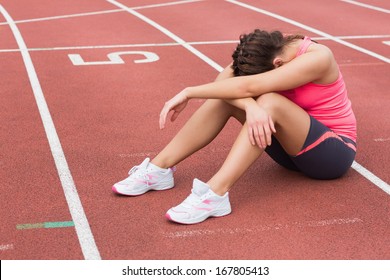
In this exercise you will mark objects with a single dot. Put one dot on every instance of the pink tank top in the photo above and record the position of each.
(328, 103)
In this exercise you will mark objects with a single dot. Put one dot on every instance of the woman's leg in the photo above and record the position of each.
(292, 126)
(203, 126)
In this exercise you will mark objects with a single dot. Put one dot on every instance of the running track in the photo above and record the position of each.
(69, 131)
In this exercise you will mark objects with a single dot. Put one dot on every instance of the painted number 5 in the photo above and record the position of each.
(115, 58)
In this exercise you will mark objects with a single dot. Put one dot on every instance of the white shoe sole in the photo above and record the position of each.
(129, 193)
(216, 213)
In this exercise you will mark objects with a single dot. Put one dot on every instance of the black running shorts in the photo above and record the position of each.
(325, 155)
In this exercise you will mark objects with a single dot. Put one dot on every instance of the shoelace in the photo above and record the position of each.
(136, 172)
(194, 199)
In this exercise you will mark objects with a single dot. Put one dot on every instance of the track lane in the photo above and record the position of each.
(31, 191)
(70, 191)
(8, 41)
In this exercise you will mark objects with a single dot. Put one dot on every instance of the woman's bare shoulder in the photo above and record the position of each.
(331, 70)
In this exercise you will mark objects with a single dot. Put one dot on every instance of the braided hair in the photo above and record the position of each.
(256, 51)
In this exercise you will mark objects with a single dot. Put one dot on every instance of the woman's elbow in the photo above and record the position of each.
(243, 91)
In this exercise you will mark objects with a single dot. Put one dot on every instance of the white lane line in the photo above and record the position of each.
(368, 175)
(95, 47)
(79, 218)
(169, 34)
(166, 4)
(360, 37)
(126, 46)
(102, 12)
(367, 6)
(311, 29)
(178, 44)
(353, 64)
(371, 177)
(64, 16)
(261, 228)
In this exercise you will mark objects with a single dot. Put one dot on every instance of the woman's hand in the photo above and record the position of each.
(260, 126)
(175, 104)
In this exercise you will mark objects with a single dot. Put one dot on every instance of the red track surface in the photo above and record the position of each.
(106, 117)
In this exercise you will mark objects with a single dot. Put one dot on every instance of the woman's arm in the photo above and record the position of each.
(241, 103)
(179, 102)
(306, 68)
(313, 66)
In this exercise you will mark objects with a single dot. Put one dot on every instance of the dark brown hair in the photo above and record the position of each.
(256, 51)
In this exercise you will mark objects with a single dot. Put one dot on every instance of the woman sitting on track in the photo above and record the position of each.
(290, 96)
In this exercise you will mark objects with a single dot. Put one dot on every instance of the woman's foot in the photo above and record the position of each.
(201, 204)
(143, 178)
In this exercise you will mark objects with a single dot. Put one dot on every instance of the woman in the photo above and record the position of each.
(290, 96)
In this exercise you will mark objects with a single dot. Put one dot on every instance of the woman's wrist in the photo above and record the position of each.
(186, 93)
(249, 103)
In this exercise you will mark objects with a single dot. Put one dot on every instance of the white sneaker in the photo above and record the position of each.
(199, 205)
(143, 178)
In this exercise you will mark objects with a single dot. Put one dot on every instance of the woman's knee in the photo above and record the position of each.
(218, 105)
(270, 101)
(225, 108)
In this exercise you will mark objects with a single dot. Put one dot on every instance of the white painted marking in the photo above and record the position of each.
(311, 29)
(360, 37)
(371, 177)
(146, 154)
(386, 43)
(6, 247)
(65, 16)
(150, 154)
(169, 34)
(350, 63)
(83, 230)
(178, 44)
(95, 47)
(261, 228)
(382, 139)
(115, 58)
(102, 12)
(166, 4)
(367, 6)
